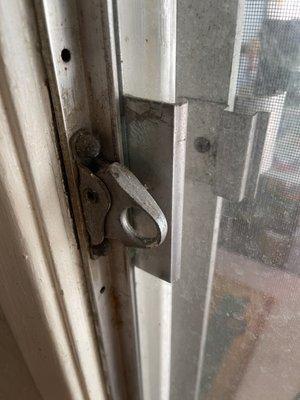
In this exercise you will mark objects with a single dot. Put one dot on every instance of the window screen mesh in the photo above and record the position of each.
(269, 80)
(253, 340)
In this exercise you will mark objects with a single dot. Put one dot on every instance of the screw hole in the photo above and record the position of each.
(91, 196)
(202, 144)
(102, 290)
(65, 55)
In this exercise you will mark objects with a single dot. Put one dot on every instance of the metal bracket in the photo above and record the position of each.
(231, 146)
(108, 193)
(155, 149)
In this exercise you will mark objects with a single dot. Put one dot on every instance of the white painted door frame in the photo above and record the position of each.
(42, 286)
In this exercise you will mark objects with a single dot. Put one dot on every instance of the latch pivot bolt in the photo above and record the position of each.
(87, 147)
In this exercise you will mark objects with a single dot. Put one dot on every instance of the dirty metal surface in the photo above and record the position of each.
(96, 202)
(234, 147)
(156, 140)
(206, 32)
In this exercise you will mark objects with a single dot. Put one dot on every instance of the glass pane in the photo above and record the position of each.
(252, 346)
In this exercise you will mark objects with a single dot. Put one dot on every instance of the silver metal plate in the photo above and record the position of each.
(156, 140)
(231, 163)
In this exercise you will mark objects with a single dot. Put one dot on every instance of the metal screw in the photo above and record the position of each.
(86, 146)
(102, 249)
(91, 196)
(202, 144)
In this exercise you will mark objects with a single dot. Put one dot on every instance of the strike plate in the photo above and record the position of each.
(155, 146)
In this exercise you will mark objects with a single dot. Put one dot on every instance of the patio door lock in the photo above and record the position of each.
(109, 194)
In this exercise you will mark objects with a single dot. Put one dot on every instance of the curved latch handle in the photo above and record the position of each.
(128, 193)
(107, 192)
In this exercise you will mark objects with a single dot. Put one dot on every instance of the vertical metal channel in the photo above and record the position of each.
(208, 45)
(148, 54)
(78, 42)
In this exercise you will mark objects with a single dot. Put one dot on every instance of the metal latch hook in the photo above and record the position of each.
(107, 192)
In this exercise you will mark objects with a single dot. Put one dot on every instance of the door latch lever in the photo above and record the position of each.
(109, 194)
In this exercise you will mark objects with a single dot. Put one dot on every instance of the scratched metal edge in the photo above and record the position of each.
(180, 138)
